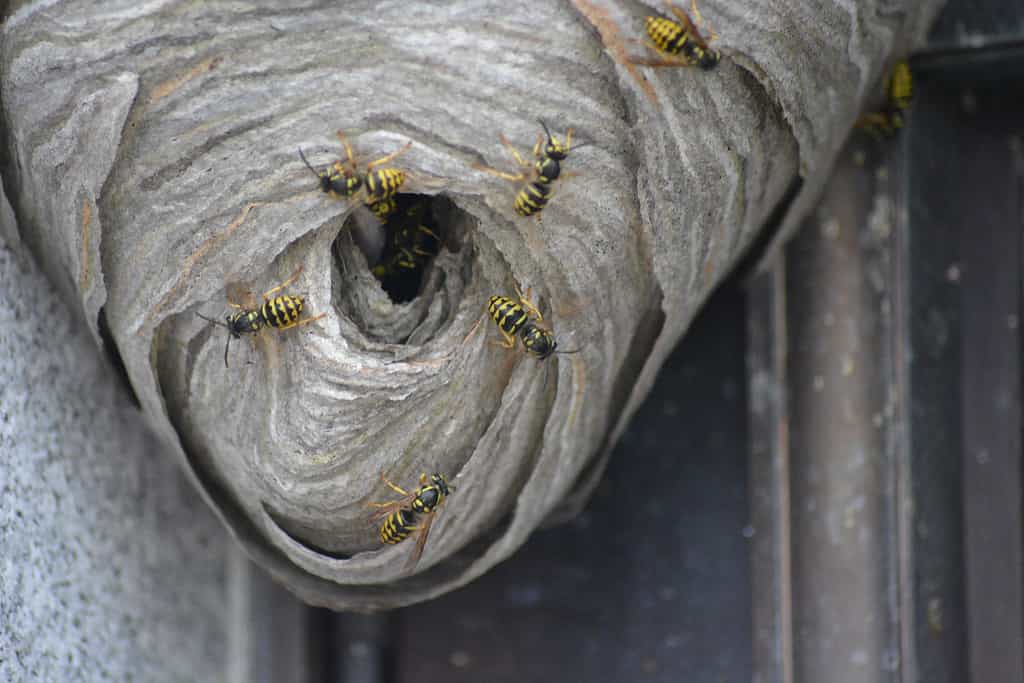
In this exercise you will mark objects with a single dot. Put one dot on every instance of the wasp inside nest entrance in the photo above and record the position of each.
(402, 242)
(402, 274)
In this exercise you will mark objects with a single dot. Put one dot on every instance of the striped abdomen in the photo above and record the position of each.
(532, 198)
(281, 312)
(383, 184)
(673, 39)
(398, 526)
(509, 315)
(383, 208)
(667, 35)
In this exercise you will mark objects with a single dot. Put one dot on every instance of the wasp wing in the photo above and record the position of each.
(421, 540)
(691, 28)
(384, 509)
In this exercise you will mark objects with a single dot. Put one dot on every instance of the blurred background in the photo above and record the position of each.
(824, 485)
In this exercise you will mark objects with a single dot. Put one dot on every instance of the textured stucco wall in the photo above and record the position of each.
(110, 566)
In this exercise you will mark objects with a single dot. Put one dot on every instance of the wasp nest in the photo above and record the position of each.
(152, 153)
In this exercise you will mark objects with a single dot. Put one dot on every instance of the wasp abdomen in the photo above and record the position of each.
(398, 526)
(384, 208)
(681, 40)
(508, 314)
(533, 198)
(667, 35)
(382, 184)
(282, 311)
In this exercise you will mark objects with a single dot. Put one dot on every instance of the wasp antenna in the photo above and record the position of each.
(211, 320)
(585, 143)
(226, 347)
(545, 127)
(308, 165)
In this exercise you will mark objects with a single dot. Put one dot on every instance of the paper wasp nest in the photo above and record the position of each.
(151, 157)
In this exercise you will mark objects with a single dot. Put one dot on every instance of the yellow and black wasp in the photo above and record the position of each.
(281, 312)
(384, 208)
(514, 318)
(413, 512)
(375, 187)
(679, 44)
(899, 92)
(411, 239)
(538, 177)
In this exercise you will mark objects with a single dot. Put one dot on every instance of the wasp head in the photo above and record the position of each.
(441, 483)
(539, 343)
(553, 148)
(708, 59)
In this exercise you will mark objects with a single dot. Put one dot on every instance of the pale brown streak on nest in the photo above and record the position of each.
(191, 261)
(171, 84)
(581, 371)
(714, 250)
(83, 276)
(614, 43)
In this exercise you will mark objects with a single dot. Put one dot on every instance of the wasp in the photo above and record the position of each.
(384, 208)
(411, 242)
(518, 318)
(282, 312)
(375, 186)
(538, 177)
(413, 512)
(899, 92)
(679, 44)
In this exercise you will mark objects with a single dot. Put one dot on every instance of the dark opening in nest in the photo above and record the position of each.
(413, 236)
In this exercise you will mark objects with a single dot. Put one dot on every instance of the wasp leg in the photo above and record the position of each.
(514, 177)
(300, 323)
(430, 232)
(876, 124)
(509, 343)
(524, 299)
(284, 284)
(872, 119)
(472, 331)
(663, 60)
(698, 21)
(389, 157)
(514, 152)
(692, 25)
(538, 146)
(394, 487)
(348, 152)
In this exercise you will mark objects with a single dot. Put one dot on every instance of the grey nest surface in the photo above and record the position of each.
(151, 154)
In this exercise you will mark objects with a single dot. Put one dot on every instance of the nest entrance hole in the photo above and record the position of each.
(401, 248)
(402, 276)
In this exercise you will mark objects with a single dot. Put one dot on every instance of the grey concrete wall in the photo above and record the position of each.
(111, 568)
